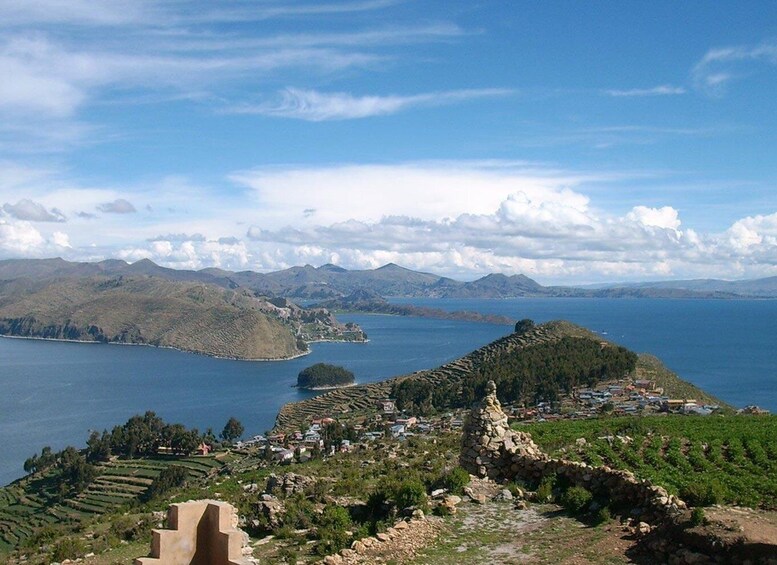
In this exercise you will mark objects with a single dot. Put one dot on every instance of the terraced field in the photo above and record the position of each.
(362, 399)
(706, 460)
(32, 503)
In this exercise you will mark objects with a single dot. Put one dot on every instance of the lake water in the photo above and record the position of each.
(53, 393)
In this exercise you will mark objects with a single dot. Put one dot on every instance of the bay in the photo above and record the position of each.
(53, 393)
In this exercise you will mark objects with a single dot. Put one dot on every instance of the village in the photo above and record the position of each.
(326, 435)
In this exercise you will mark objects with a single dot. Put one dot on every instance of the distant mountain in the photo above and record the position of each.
(331, 281)
(372, 303)
(150, 310)
(762, 288)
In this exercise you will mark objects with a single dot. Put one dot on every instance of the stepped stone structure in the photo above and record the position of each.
(202, 532)
(490, 449)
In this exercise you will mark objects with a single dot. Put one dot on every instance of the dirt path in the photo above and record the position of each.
(496, 532)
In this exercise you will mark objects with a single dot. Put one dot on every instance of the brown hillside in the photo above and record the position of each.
(146, 310)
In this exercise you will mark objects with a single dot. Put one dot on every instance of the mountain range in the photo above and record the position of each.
(331, 281)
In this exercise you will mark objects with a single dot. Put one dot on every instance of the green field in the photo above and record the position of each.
(706, 460)
(31, 504)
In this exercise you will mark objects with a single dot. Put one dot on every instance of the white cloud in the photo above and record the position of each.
(665, 217)
(462, 219)
(147, 12)
(60, 239)
(433, 190)
(661, 90)
(317, 106)
(721, 65)
(20, 238)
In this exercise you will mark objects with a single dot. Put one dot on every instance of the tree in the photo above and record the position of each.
(98, 447)
(76, 472)
(31, 464)
(324, 375)
(171, 477)
(233, 429)
(523, 326)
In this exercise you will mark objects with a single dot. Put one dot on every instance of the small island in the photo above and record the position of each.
(324, 376)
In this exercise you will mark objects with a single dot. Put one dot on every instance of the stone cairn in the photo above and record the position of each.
(490, 449)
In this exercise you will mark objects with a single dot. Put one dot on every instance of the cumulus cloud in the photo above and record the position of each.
(19, 238)
(118, 206)
(32, 211)
(178, 237)
(192, 254)
(315, 106)
(461, 219)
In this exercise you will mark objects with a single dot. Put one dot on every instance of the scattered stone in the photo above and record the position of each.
(504, 494)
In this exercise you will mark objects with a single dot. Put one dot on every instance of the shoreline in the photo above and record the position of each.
(212, 355)
(203, 353)
(317, 388)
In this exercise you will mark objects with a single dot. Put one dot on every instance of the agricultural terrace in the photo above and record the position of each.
(705, 460)
(28, 505)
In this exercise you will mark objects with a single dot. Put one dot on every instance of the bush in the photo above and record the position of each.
(130, 528)
(411, 492)
(702, 493)
(334, 525)
(455, 480)
(576, 499)
(68, 548)
(545, 490)
(602, 516)
(698, 517)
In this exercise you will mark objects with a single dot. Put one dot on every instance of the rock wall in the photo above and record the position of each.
(490, 449)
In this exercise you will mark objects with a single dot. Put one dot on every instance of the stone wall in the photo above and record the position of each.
(202, 532)
(490, 449)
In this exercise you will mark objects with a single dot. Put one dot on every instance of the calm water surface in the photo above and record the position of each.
(54, 393)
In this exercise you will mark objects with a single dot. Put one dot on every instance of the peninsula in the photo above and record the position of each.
(149, 310)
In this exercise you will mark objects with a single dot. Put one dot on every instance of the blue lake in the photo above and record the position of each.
(54, 393)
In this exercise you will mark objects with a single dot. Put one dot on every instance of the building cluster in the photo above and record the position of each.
(620, 398)
(319, 438)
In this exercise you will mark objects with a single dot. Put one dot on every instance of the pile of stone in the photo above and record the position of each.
(288, 484)
(489, 445)
(491, 450)
(398, 544)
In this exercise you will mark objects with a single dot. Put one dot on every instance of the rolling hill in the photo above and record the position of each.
(192, 316)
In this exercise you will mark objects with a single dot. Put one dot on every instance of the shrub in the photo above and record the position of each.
(455, 480)
(333, 530)
(602, 516)
(68, 548)
(130, 528)
(545, 490)
(576, 499)
(698, 517)
(411, 492)
(704, 493)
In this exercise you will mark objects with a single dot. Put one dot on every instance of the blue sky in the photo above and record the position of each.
(573, 142)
